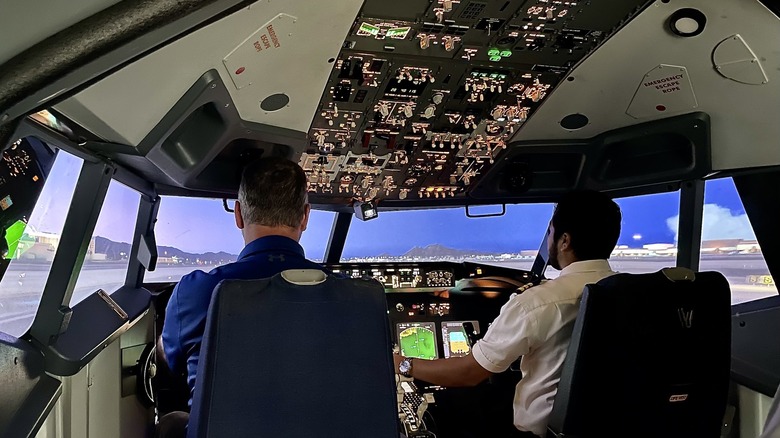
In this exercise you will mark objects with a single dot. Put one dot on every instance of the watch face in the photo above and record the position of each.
(404, 366)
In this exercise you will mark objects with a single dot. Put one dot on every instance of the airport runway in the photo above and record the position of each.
(23, 284)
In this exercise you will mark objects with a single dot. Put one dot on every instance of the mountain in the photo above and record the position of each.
(115, 250)
(436, 250)
(112, 250)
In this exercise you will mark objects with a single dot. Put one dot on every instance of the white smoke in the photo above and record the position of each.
(718, 223)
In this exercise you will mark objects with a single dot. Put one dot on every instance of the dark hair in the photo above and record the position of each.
(592, 221)
(273, 193)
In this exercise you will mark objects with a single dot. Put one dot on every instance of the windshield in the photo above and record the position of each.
(197, 233)
(448, 234)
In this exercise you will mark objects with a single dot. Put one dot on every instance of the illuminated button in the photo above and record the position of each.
(495, 58)
(506, 53)
(494, 52)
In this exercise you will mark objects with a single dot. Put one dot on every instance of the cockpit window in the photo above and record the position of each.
(729, 245)
(108, 254)
(32, 225)
(648, 233)
(447, 234)
(198, 234)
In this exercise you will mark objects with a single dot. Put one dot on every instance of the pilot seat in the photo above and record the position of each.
(301, 354)
(649, 357)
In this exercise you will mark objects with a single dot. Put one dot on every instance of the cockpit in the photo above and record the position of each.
(436, 137)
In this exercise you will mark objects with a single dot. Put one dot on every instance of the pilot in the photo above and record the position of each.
(537, 324)
(272, 212)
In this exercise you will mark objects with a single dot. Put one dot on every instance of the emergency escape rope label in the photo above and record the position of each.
(662, 90)
(666, 85)
(263, 43)
(258, 51)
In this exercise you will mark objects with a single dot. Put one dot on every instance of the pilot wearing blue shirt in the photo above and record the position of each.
(272, 212)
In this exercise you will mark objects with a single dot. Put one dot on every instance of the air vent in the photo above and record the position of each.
(473, 10)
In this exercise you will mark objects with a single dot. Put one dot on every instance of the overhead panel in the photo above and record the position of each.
(728, 67)
(424, 96)
(296, 38)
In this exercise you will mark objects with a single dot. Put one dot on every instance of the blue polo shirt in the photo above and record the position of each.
(185, 316)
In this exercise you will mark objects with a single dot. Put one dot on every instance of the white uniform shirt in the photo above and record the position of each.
(537, 325)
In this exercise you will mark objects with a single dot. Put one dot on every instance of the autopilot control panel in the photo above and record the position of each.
(402, 277)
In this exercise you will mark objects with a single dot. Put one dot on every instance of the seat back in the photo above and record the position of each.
(296, 360)
(649, 357)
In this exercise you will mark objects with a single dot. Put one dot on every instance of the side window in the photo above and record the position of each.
(32, 238)
(729, 245)
(108, 254)
(648, 233)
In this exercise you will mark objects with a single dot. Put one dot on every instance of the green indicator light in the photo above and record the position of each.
(369, 29)
(506, 53)
(495, 58)
(398, 33)
(493, 52)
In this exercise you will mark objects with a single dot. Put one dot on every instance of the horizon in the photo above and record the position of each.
(198, 225)
(464, 251)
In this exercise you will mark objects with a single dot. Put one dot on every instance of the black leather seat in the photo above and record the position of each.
(649, 357)
(289, 360)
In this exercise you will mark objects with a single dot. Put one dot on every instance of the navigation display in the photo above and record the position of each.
(418, 340)
(455, 339)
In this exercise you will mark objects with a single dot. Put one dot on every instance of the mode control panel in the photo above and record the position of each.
(400, 277)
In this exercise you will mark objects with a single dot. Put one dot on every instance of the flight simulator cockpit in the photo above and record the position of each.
(125, 127)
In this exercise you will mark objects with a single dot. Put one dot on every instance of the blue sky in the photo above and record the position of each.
(201, 225)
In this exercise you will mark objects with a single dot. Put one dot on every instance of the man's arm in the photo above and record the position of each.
(452, 372)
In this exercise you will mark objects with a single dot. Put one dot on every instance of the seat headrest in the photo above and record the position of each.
(679, 274)
(304, 277)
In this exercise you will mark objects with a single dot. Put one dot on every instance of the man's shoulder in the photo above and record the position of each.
(200, 279)
(554, 291)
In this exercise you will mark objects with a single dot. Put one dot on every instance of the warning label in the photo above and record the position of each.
(250, 57)
(665, 85)
(267, 40)
(665, 89)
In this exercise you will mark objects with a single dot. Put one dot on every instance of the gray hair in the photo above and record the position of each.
(273, 193)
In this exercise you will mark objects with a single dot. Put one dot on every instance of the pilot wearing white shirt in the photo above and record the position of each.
(537, 324)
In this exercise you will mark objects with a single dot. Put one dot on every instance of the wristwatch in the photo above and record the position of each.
(405, 367)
